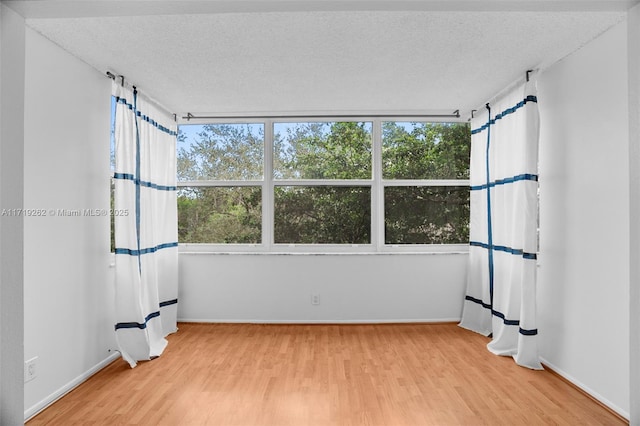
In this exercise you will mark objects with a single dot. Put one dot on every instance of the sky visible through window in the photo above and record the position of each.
(191, 133)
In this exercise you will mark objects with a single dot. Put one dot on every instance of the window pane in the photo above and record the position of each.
(425, 150)
(220, 152)
(338, 150)
(426, 215)
(220, 215)
(322, 215)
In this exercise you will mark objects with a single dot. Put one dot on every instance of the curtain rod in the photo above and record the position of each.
(113, 77)
(509, 87)
(121, 77)
(189, 116)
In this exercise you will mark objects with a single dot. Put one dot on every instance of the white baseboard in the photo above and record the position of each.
(37, 408)
(586, 389)
(320, 321)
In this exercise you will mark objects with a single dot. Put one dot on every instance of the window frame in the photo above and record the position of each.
(377, 185)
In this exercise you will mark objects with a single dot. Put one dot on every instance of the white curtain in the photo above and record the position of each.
(145, 226)
(501, 285)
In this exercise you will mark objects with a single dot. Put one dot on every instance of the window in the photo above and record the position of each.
(221, 170)
(317, 199)
(363, 185)
(425, 167)
(335, 150)
(220, 214)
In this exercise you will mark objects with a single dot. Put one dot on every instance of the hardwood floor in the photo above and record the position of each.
(252, 374)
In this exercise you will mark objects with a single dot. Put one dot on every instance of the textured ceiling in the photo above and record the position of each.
(324, 61)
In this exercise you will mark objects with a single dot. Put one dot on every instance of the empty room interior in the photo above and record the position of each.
(332, 204)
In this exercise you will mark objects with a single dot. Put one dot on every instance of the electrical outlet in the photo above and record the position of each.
(315, 298)
(30, 369)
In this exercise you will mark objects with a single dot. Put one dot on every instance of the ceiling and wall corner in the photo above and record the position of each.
(252, 57)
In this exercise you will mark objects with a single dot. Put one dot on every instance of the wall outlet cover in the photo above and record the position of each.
(30, 370)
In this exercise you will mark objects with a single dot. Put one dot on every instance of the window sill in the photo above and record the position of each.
(302, 250)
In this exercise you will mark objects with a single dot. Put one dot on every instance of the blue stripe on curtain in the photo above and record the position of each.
(151, 121)
(513, 179)
(137, 204)
(141, 326)
(147, 318)
(128, 176)
(503, 317)
(504, 113)
(478, 301)
(517, 252)
(148, 250)
(489, 225)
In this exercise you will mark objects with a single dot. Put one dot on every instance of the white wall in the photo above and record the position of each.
(583, 283)
(352, 287)
(634, 200)
(11, 192)
(68, 306)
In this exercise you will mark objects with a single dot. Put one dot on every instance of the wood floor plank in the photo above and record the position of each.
(385, 374)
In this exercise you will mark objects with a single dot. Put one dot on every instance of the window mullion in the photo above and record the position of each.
(426, 182)
(322, 182)
(377, 190)
(220, 183)
(268, 188)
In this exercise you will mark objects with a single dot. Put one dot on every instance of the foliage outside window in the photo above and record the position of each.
(425, 150)
(320, 212)
(322, 215)
(229, 212)
(426, 213)
(359, 183)
(322, 150)
(220, 214)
